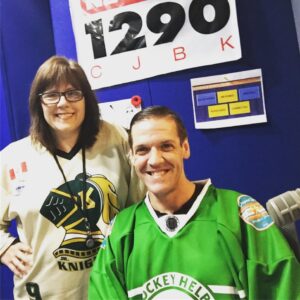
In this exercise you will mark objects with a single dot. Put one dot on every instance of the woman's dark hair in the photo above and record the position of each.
(55, 71)
(158, 111)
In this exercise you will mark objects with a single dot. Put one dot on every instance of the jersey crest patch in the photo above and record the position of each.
(253, 213)
(67, 211)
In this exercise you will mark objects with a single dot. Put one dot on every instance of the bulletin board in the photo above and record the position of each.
(228, 100)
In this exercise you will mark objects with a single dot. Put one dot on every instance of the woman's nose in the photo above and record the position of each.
(62, 101)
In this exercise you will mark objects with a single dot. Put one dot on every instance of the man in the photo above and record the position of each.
(189, 240)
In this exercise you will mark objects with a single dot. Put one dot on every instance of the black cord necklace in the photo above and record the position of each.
(89, 242)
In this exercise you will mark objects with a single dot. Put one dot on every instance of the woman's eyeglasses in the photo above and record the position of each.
(50, 98)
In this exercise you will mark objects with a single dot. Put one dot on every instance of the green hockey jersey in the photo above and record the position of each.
(225, 247)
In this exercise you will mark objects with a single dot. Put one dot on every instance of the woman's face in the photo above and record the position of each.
(65, 117)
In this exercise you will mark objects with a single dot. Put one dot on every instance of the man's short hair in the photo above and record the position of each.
(159, 111)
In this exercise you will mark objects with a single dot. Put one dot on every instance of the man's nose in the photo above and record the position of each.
(155, 156)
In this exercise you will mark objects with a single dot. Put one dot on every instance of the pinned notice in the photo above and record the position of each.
(228, 100)
(121, 111)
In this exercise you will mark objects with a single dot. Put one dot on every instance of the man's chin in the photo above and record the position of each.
(158, 191)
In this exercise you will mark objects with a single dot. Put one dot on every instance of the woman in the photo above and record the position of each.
(62, 184)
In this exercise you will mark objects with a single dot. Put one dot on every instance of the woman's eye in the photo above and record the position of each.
(51, 95)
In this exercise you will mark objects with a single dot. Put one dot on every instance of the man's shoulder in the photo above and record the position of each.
(125, 220)
(235, 209)
(129, 212)
(233, 199)
(222, 196)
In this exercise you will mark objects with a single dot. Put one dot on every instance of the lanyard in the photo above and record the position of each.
(90, 243)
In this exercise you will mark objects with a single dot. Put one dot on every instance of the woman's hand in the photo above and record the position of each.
(18, 257)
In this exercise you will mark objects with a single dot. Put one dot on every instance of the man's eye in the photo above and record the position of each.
(167, 147)
(141, 151)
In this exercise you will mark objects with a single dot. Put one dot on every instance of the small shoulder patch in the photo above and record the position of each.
(108, 232)
(253, 213)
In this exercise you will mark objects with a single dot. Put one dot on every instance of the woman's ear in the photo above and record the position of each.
(131, 157)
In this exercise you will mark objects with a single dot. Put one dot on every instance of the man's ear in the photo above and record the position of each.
(186, 149)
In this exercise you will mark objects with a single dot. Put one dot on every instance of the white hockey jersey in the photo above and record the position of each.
(34, 193)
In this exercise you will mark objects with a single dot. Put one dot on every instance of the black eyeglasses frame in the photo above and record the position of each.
(59, 94)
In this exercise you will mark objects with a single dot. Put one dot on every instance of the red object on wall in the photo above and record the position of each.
(136, 100)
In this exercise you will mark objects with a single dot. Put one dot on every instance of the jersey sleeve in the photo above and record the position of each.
(107, 278)
(261, 260)
(6, 239)
(271, 265)
(279, 280)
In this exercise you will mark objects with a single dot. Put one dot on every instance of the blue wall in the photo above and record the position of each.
(261, 160)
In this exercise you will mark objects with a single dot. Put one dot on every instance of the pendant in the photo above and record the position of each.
(172, 223)
(89, 242)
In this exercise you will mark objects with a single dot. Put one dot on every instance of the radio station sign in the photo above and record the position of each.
(129, 40)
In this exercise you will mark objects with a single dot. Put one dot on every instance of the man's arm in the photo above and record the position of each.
(262, 263)
(106, 281)
(277, 281)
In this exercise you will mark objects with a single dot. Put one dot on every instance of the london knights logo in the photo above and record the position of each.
(172, 285)
(67, 211)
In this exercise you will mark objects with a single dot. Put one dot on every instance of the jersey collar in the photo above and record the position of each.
(170, 224)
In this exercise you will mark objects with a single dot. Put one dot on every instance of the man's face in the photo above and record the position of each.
(158, 155)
